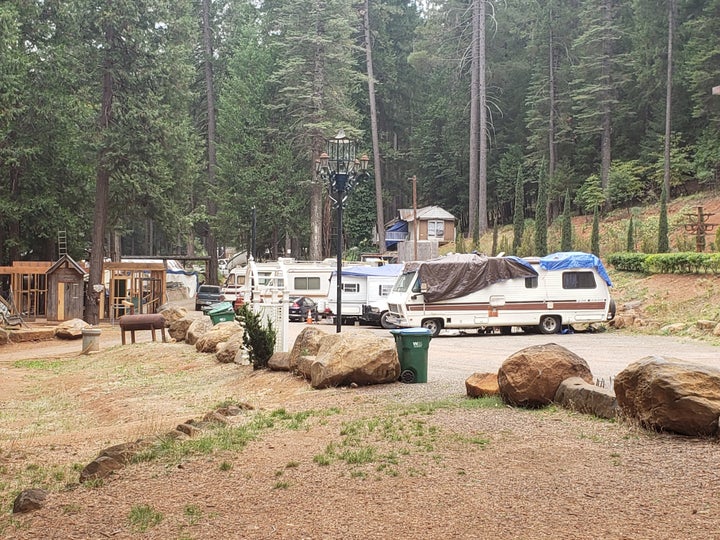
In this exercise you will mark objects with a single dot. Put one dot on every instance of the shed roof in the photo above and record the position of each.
(425, 213)
(70, 262)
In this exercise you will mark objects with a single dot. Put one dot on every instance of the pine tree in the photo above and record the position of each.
(566, 239)
(595, 235)
(541, 219)
(518, 214)
(631, 236)
(663, 242)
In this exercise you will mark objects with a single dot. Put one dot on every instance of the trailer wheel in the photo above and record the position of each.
(384, 321)
(549, 325)
(434, 325)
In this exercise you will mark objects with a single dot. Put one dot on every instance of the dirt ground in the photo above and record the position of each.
(391, 461)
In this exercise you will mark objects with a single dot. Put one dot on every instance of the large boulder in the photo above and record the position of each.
(358, 357)
(671, 395)
(172, 313)
(179, 327)
(71, 329)
(221, 332)
(279, 361)
(228, 350)
(531, 376)
(306, 344)
(581, 396)
(198, 328)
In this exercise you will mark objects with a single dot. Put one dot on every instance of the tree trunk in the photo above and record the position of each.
(606, 122)
(668, 95)
(482, 131)
(380, 217)
(318, 233)
(95, 283)
(211, 271)
(474, 126)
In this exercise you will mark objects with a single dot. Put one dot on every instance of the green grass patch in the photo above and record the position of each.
(142, 517)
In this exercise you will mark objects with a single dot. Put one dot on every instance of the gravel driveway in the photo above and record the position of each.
(452, 358)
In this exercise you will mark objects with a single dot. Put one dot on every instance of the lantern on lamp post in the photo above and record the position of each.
(342, 171)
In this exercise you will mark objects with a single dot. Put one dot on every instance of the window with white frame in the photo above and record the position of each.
(436, 228)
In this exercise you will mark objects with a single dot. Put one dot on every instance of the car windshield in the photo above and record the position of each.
(403, 282)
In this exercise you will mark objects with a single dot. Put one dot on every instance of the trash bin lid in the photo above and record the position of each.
(220, 308)
(411, 331)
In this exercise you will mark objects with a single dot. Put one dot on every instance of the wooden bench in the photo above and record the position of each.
(150, 322)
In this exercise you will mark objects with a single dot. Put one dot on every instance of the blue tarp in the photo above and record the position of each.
(574, 259)
(399, 226)
(386, 270)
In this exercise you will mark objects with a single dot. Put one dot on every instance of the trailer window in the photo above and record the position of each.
(351, 287)
(307, 283)
(384, 290)
(531, 282)
(578, 280)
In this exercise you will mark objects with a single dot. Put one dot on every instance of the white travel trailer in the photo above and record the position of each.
(289, 277)
(477, 292)
(364, 293)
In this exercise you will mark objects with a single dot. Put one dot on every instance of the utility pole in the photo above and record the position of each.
(415, 220)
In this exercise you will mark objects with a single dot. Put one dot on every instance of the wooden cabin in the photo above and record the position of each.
(27, 282)
(65, 290)
(133, 287)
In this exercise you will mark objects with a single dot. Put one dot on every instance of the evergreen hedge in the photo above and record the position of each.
(689, 262)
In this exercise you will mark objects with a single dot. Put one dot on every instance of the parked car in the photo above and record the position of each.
(208, 295)
(300, 306)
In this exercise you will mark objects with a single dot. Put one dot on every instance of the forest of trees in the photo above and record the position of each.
(155, 126)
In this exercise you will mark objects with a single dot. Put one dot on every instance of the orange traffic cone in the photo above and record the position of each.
(309, 317)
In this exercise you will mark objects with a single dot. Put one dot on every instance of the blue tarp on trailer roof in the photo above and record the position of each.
(386, 270)
(574, 259)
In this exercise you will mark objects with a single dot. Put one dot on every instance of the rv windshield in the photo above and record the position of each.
(403, 282)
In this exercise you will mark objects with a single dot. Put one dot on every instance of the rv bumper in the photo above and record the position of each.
(398, 321)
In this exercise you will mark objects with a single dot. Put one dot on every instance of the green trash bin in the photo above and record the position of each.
(412, 348)
(221, 312)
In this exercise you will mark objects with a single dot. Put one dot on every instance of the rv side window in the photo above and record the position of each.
(307, 283)
(385, 290)
(531, 282)
(351, 287)
(578, 280)
(416, 287)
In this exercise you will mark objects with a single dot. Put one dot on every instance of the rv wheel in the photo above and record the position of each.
(549, 325)
(434, 325)
(407, 376)
(384, 321)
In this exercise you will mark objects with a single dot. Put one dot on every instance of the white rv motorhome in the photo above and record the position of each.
(470, 291)
(364, 293)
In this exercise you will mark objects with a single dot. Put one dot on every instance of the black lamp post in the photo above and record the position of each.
(339, 167)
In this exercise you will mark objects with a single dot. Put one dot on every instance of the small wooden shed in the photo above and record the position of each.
(65, 290)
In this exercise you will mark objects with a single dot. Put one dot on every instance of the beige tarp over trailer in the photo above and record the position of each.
(28, 287)
(459, 274)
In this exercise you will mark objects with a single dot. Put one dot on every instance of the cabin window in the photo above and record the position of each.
(307, 283)
(351, 287)
(436, 229)
(578, 280)
(385, 290)
(531, 282)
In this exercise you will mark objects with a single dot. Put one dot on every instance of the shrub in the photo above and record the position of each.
(259, 341)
